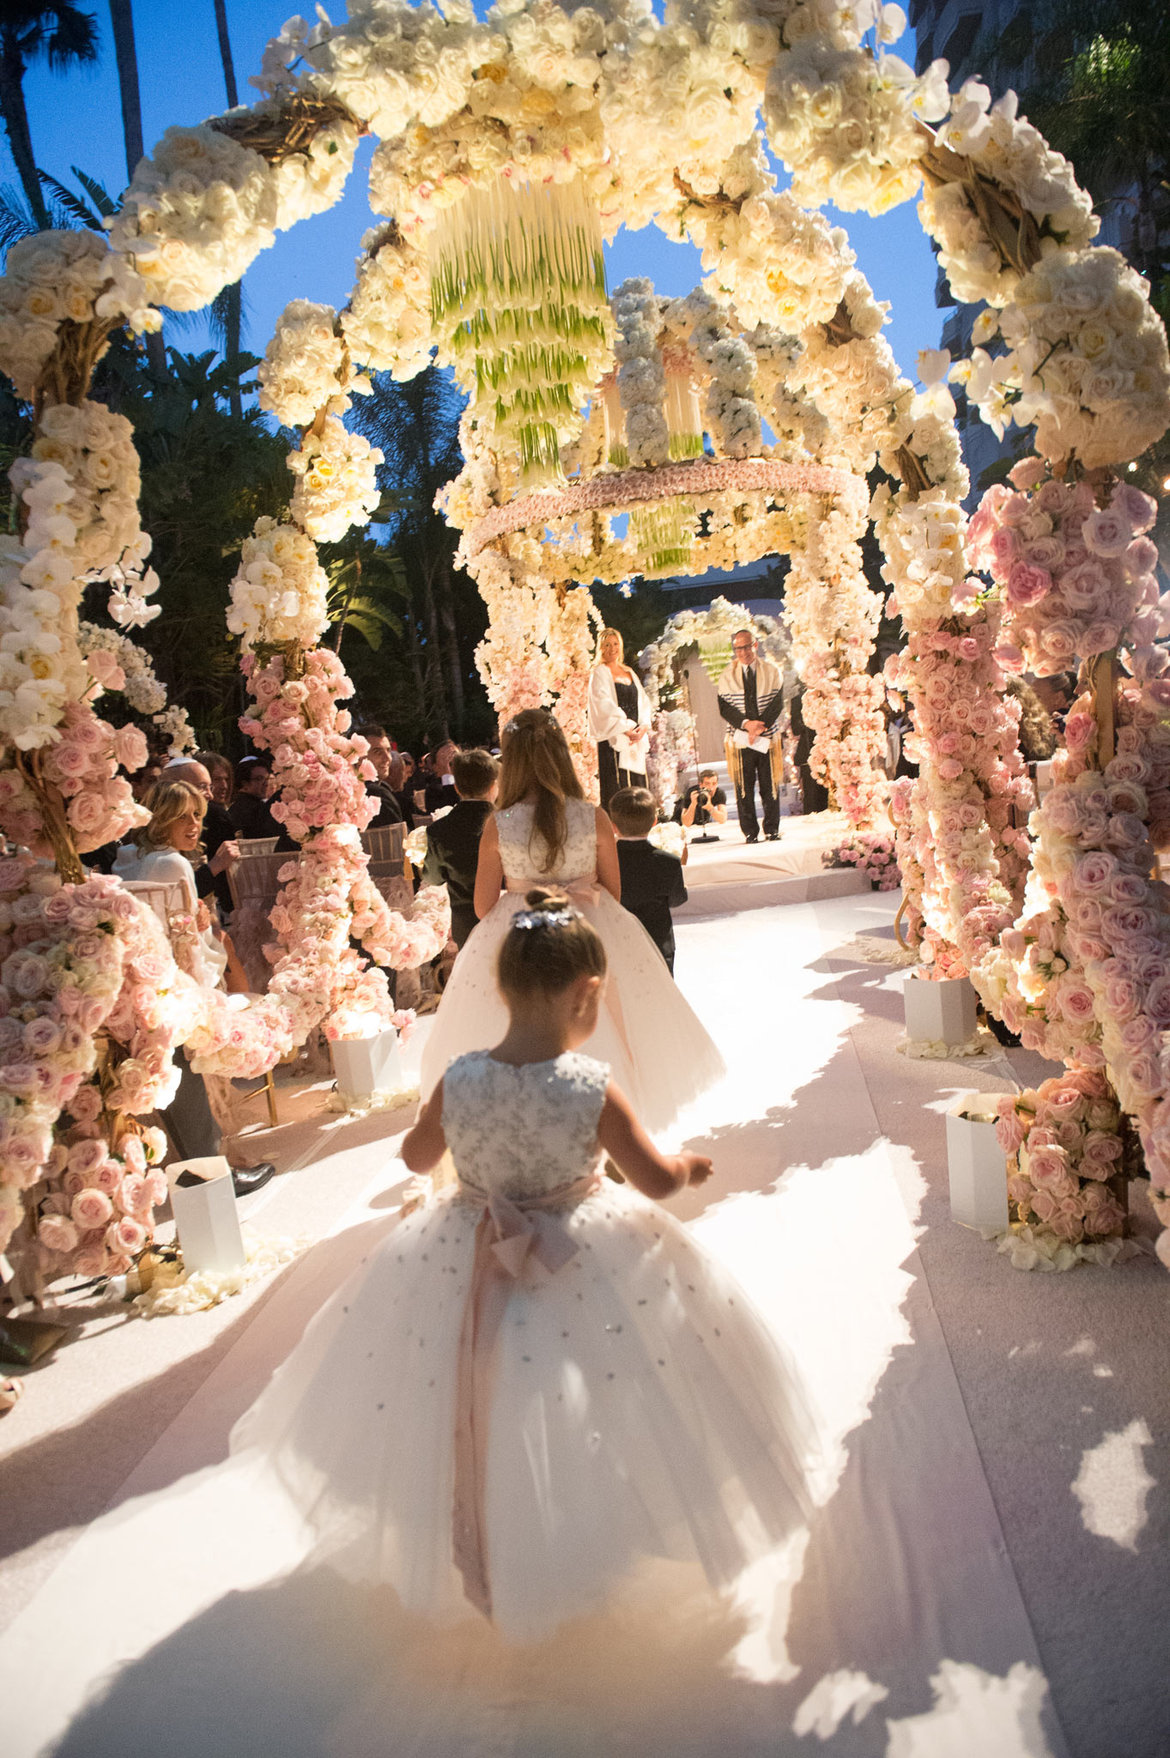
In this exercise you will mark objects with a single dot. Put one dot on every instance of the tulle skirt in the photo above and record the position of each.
(640, 1408)
(657, 1048)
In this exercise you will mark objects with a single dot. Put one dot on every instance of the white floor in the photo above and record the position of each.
(900, 1630)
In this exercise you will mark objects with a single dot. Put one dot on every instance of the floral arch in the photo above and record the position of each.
(509, 150)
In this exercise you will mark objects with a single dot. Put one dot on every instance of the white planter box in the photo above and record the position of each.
(939, 1013)
(365, 1066)
(206, 1218)
(1043, 778)
(976, 1164)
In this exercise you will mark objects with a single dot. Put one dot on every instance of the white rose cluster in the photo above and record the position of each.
(203, 206)
(53, 277)
(337, 481)
(846, 124)
(41, 669)
(48, 277)
(777, 264)
(852, 378)
(1001, 146)
(1087, 360)
(303, 365)
(279, 593)
(641, 379)
(96, 449)
(387, 323)
(392, 64)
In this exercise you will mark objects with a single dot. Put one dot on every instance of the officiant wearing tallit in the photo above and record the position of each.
(751, 701)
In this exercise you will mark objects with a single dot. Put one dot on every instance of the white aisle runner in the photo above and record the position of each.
(897, 1630)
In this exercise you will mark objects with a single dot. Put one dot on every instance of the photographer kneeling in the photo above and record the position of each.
(701, 804)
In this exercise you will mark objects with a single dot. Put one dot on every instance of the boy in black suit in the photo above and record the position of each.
(652, 879)
(453, 840)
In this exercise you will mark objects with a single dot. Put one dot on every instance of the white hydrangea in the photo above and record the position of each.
(641, 380)
(279, 592)
(337, 481)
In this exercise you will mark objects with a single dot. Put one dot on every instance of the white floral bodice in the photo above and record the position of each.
(523, 1131)
(521, 865)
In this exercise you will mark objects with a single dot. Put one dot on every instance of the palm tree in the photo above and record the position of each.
(231, 312)
(30, 31)
(416, 425)
(126, 57)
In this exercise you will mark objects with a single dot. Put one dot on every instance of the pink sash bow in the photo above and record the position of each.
(511, 1238)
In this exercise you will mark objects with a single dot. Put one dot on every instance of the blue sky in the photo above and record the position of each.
(76, 120)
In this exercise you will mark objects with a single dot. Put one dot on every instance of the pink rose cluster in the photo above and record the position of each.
(961, 825)
(1077, 579)
(99, 1213)
(327, 899)
(83, 766)
(844, 709)
(1094, 857)
(79, 961)
(873, 856)
(60, 973)
(317, 767)
(1065, 1143)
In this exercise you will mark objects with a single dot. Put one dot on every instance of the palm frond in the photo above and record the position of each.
(104, 203)
(70, 203)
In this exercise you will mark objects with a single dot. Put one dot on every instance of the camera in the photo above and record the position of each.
(704, 797)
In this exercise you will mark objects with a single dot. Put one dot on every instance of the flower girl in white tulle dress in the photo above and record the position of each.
(545, 832)
(541, 1378)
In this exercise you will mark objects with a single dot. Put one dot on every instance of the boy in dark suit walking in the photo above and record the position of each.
(453, 840)
(652, 879)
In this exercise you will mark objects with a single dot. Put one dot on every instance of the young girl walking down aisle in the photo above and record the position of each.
(541, 1378)
(545, 833)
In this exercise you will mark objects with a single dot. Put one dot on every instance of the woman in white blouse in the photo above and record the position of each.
(161, 851)
(619, 719)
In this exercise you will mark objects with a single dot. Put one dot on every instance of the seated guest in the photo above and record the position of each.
(397, 783)
(250, 813)
(404, 789)
(162, 851)
(381, 755)
(652, 878)
(222, 773)
(453, 841)
(438, 787)
(702, 804)
(218, 841)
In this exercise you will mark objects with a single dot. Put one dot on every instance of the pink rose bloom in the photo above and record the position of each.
(1076, 1002)
(1080, 732)
(1067, 1226)
(86, 1156)
(1046, 1166)
(126, 1237)
(1027, 585)
(92, 1208)
(105, 670)
(1043, 1204)
(91, 1262)
(58, 1234)
(1107, 531)
(42, 1036)
(1131, 504)
(72, 1183)
(1095, 872)
(1058, 642)
(156, 1184)
(130, 749)
(1099, 637)
(1020, 1190)
(88, 815)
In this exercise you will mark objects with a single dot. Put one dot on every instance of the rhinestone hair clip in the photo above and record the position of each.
(543, 918)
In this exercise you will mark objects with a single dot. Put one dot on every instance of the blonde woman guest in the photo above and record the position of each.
(162, 851)
(544, 832)
(619, 719)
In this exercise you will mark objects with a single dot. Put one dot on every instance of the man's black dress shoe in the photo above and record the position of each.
(772, 836)
(751, 839)
(246, 1179)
